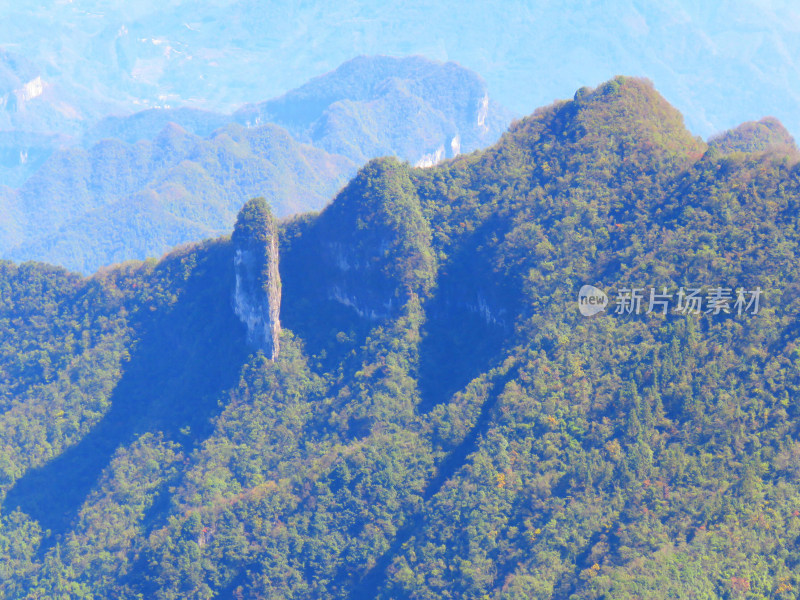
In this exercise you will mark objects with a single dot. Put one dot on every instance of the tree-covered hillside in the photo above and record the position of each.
(117, 201)
(440, 420)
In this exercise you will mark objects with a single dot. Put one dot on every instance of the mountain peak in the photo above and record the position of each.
(623, 110)
(755, 136)
(257, 294)
(433, 110)
(621, 134)
(174, 138)
(631, 106)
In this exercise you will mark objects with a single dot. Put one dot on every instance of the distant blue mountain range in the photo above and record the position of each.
(719, 63)
(135, 186)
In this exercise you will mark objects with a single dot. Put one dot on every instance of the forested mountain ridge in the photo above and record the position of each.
(116, 201)
(414, 108)
(440, 420)
(141, 184)
(757, 136)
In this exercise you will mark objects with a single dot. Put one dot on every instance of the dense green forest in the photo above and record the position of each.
(441, 422)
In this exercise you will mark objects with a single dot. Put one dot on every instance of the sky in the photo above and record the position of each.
(719, 63)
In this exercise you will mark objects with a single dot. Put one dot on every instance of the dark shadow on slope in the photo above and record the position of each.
(329, 330)
(185, 357)
(467, 321)
(369, 585)
(457, 344)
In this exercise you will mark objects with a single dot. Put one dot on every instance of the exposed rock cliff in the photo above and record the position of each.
(374, 242)
(257, 294)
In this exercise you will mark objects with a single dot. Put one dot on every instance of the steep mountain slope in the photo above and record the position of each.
(440, 421)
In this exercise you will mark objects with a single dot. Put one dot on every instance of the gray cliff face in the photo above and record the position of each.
(357, 281)
(257, 292)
